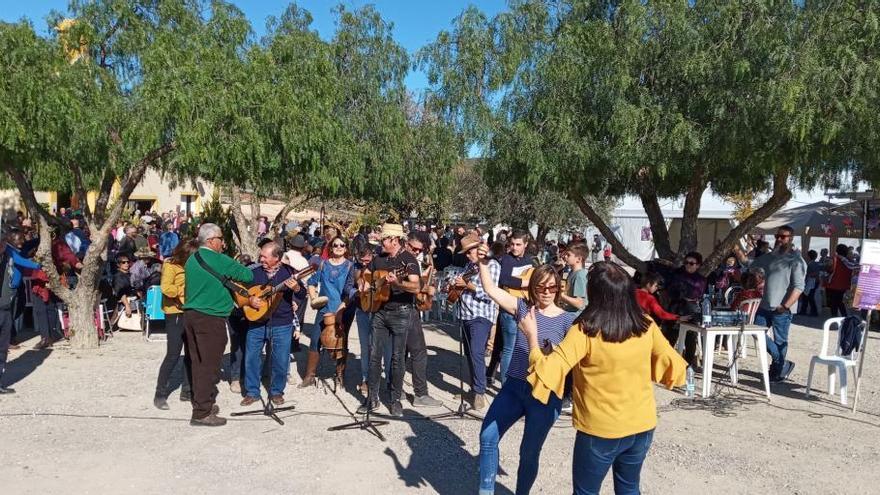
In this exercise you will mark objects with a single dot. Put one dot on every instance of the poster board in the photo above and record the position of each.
(867, 297)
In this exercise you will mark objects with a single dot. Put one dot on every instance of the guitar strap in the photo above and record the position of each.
(223, 279)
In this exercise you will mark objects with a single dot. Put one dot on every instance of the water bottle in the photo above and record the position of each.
(706, 307)
(689, 383)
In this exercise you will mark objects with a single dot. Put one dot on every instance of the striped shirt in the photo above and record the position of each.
(551, 328)
(478, 304)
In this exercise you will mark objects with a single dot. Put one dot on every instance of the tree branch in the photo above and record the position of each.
(80, 191)
(617, 247)
(781, 195)
(292, 204)
(106, 188)
(689, 220)
(651, 204)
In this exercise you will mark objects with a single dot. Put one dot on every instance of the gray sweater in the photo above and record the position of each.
(784, 273)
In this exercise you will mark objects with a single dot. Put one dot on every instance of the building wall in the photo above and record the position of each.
(160, 192)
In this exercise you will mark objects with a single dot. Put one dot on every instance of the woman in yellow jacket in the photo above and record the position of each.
(614, 352)
(172, 286)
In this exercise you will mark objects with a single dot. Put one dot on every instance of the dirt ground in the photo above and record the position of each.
(83, 422)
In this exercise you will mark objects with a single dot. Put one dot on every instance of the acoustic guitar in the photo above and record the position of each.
(271, 294)
(525, 277)
(453, 293)
(425, 297)
(378, 290)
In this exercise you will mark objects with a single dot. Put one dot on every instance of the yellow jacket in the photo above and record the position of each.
(173, 288)
(613, 396)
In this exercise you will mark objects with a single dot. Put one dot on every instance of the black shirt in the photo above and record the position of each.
(406, 261)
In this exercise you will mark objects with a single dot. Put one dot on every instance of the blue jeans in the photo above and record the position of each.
(778, 345)
(476, 336)
(508, 332)
(512, 403)
(594, 455)
(279, 338)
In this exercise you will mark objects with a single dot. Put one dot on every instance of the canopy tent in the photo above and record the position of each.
(827, 220)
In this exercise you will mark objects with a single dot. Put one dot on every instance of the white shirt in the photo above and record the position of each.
(295, 260)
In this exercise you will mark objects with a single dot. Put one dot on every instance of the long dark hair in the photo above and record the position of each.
(183, 251)
(613, 310)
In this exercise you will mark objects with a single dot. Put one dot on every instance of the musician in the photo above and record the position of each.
(394, 318)
(365, 334)
(335, 276)
(513, 265)
(416, 244)
(477, 312)
(208, 305)
(275, 331)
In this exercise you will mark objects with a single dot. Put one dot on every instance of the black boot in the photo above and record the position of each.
(160, 402)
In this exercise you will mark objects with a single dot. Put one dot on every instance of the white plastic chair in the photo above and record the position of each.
(837, 364)
(749, 307)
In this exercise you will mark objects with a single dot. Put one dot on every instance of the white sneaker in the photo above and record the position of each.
(235, 386)
(566, 406)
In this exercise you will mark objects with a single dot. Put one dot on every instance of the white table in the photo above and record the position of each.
(734, 332)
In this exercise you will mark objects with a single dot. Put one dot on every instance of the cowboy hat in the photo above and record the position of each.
(469, 242)
(391, 230)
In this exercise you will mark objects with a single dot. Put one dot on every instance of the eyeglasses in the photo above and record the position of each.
(415, 249)
(124, 262)
(215, 237)
(338, 245)
(547, 289)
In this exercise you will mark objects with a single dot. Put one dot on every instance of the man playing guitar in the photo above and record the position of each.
(276, 330)
(394, 318)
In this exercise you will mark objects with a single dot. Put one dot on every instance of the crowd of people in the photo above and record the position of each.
(550, 319)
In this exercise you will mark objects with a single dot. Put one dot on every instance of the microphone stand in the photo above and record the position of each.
(269, 408)
(463, 411)
(367, 424)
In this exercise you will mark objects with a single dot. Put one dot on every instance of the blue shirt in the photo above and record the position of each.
(549, 328)
(337, 283)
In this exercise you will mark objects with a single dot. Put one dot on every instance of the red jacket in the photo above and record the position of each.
(649, 303)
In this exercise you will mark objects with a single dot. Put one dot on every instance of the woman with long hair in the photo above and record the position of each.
(515, 400)
(614, 352)
(173, 289)
(335, 276)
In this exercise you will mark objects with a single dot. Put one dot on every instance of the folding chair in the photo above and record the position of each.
(153, 311)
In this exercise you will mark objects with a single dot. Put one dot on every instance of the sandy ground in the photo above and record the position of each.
(83, 422)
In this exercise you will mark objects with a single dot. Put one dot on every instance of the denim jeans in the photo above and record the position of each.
(508, 329)
(278, 337)
(389, 324)
(365, 335)
(594, 455)
(238, 327)
(778, 345)
(512, 403)
(476, 335)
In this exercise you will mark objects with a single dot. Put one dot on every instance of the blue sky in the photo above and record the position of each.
(416, 22)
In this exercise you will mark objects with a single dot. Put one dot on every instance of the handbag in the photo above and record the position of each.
(133, 322)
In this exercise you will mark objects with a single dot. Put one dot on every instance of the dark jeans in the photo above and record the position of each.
(173, 348)
(238, 327)
(205, 343)
(46, 317)
(808, 303)
(497, 347)
(594, 455)
(389, 324)
(476, 336)
(6, 324)
(835, 302)
(418, 354)
(690, 339)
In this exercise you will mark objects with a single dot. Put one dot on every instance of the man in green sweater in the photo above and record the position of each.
(207, 307)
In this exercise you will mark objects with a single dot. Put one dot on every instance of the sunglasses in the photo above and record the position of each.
(782, 236)
(124, 263)
(415, 249)
(547, 289)
(339, 245)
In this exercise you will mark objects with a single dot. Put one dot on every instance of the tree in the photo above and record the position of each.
(653, 99)
(95, 105)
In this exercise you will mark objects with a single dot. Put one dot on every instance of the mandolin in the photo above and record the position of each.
(271, 294)
(378, 290)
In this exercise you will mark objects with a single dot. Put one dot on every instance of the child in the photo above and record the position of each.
(575, 296)
(647, 301)
(753, 288)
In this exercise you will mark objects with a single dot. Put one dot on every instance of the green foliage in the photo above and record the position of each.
(214, 212)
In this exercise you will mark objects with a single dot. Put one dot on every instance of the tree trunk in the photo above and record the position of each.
(690, 216)
(781, 195)
(543, 230)
(81, 310)
(659, 230)
(245, 238)
(616, 246)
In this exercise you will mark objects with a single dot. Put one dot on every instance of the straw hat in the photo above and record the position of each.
(144, 252)
(391, 230)
(469, 242)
